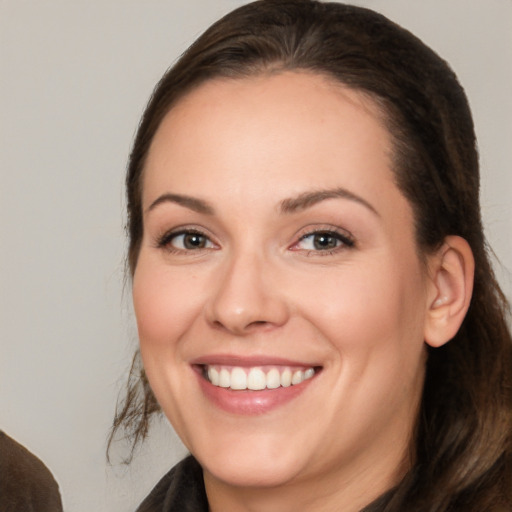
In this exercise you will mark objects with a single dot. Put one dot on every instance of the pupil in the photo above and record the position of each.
(193, 241)
(324, 242)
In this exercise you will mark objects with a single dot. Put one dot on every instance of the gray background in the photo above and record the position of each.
(74, 78)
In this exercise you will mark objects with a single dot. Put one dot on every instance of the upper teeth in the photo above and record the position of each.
(238, 378)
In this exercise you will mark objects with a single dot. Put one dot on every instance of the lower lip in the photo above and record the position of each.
(248, 402)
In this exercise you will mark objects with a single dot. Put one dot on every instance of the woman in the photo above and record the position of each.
(317, 315)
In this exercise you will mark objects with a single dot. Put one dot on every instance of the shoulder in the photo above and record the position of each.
(181, 489)
(25, 482)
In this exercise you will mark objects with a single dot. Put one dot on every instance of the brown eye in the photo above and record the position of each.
(186, 241)
(194, 241)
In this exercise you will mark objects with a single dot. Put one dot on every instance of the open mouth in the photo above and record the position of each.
(256, 378)
(252, 386)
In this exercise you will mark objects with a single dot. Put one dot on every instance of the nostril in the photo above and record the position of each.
(259, 325)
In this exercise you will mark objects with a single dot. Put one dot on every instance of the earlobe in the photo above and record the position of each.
(451, 285)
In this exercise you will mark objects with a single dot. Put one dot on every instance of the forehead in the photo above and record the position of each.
(290, 93)
(298, 118)
(286, 84)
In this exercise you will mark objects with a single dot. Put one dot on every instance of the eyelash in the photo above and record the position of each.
(343, 241)
(165, 241)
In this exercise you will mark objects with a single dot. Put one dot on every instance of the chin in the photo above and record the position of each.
(245, 472)
(252, 460)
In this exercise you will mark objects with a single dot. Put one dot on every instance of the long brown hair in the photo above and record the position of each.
(463, 433)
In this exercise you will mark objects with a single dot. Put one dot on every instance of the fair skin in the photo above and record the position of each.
(275, 238)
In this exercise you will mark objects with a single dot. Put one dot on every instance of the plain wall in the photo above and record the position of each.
(74, 78)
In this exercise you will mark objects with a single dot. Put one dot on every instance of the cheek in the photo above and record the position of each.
(165, 303)
(369, 306)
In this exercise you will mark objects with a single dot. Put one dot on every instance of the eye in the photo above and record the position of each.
(324, 241)
(185, 240)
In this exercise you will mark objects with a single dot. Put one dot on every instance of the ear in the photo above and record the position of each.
(451, 271)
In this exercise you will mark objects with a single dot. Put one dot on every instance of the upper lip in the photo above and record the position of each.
(248, 361)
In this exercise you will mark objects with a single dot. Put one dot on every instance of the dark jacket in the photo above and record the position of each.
(180, 490)
(26, 484)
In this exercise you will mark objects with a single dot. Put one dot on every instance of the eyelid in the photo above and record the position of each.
(163, 240)
(345, 237)
(347, 240)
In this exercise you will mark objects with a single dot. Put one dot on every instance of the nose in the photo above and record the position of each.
(247, 297)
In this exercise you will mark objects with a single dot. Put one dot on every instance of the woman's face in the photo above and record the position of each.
(279, 254)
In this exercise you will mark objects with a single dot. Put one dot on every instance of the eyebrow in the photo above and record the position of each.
(308, 199)
(286, 206)
(192, 203)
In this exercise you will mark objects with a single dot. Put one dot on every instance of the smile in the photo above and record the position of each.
(256, 378)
